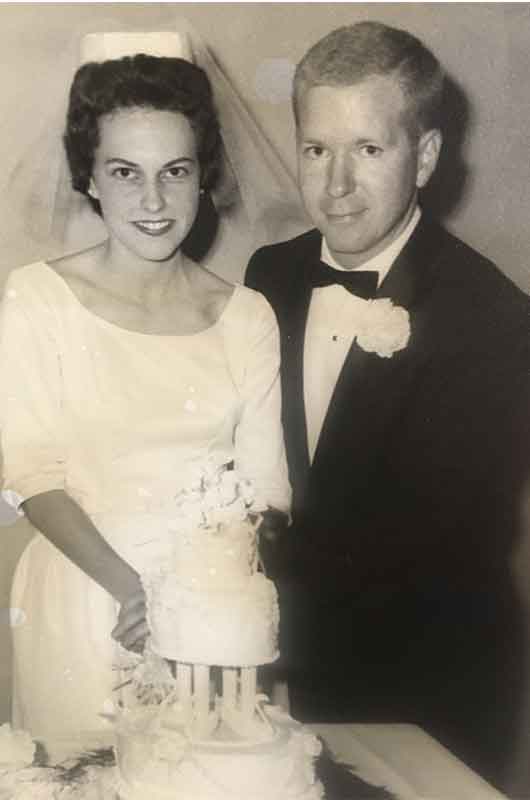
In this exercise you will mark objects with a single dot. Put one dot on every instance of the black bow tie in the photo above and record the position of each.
(359, 282)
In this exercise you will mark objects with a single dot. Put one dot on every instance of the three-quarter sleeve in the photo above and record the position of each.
(259, 443)
(31, 428)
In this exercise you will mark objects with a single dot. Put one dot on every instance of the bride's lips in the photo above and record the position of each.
(154, 227)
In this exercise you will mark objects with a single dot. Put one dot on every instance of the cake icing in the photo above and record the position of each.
(233, 626)
(156, 759)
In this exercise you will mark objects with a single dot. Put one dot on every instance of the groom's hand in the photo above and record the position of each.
(272, 534)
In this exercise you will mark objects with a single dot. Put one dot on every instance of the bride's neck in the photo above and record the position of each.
(143, 278)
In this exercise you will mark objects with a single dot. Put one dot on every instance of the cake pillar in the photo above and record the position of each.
(229, 688)
(248, 691)
(184, 689)
(201, 697)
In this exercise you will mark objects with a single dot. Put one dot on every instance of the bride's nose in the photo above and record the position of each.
(153, 198)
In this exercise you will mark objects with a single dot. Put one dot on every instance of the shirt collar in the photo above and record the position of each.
(382, 262)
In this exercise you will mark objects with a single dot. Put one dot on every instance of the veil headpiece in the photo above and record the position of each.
(256, 202)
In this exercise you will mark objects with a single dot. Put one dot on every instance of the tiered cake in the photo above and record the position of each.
(211, 612)
(213, 606)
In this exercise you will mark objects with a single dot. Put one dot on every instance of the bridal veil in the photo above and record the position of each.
(255, 203)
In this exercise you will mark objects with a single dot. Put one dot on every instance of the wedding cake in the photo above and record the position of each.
(216, 616)
(191, 723)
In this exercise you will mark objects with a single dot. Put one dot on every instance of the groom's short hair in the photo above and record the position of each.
(352, 53)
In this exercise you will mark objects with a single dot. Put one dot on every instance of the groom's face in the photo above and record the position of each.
(359, 165)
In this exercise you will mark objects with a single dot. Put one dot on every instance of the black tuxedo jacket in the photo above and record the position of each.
(406, 520)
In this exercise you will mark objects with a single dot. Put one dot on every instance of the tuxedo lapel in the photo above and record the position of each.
(414, 271)
(295, 310)
(370, 390)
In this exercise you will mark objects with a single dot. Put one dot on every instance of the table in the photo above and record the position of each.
(405, 760)
(402, 758)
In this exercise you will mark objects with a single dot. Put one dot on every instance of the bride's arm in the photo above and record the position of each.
(34, 446)
(259, 444)
(64, 523)
(260, 450)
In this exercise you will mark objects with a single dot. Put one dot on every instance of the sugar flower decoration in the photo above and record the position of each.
(215, 496)
(384, 328)
(17, 748)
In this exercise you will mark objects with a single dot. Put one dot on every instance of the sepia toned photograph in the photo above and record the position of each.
(264, 401)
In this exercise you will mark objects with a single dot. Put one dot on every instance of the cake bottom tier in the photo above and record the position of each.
(164, 765)
(225, 627)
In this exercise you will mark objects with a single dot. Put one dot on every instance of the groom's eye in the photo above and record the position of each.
(314, 151)
(371, 150)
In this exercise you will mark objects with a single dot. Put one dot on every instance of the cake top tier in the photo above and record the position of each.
(214, 529)
(211, 558)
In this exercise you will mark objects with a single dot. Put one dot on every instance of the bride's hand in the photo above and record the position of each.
(132, 629)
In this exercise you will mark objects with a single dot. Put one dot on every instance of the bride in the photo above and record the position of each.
(129, 364)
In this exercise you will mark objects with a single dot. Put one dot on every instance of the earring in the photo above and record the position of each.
(201, 192)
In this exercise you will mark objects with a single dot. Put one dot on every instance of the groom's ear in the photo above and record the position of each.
(429, 147)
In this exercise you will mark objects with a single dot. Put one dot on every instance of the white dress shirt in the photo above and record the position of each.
(331, 328)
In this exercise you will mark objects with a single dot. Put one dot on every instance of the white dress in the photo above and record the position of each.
(116, 418)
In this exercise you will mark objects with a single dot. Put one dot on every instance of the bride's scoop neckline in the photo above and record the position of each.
(115, 326)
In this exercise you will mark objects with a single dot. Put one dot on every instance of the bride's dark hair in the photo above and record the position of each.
(140, 81)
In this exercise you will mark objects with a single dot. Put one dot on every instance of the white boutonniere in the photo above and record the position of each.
(384, 328)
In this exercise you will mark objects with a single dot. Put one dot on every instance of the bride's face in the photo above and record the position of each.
(146, 177)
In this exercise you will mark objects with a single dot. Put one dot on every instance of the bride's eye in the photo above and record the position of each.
(175, 173)
(124, 173)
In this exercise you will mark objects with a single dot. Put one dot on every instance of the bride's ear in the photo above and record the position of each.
(92, 190)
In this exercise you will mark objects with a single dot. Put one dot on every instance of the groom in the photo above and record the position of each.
(405, 402)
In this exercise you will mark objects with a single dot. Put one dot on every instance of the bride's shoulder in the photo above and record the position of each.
(213, 293)
(255, 301)
(38, 279)
(76, 268)
(84, 274)
(251, 313)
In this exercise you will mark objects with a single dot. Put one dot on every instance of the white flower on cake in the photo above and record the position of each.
(215, 497)
(152, 680)
(383, 327)
(17, 748)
